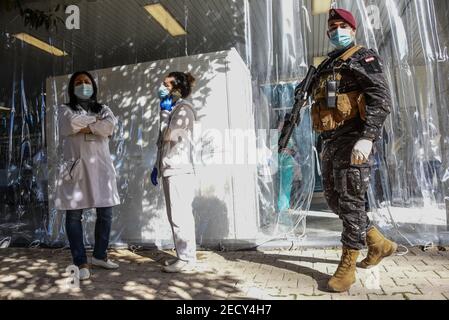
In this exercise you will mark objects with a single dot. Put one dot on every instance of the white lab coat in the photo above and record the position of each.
(87, 177)
(175, 145)
(176, 167)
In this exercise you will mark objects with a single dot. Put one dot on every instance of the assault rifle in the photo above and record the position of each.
(301, 97)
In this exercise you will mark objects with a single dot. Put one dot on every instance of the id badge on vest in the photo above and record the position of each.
(331, 93)
(90, 137)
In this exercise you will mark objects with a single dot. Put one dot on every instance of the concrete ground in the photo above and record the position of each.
(302, 275)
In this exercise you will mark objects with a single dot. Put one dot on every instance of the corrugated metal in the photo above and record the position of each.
(119, 31)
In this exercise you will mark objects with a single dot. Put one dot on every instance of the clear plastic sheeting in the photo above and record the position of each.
(248, 56)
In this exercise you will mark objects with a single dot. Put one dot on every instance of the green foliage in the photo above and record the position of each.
(35, 18)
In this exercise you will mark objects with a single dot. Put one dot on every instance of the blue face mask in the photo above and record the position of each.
(84, 91)
(163, 92)
(341, 38)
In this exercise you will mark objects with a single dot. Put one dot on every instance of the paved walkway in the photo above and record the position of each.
(286, 275)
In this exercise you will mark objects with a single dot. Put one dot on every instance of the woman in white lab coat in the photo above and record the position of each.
(176, 166)
(87, 177)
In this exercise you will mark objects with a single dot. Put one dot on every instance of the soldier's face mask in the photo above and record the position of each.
(341, 37)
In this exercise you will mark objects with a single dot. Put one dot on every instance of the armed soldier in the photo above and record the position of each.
(351, 103)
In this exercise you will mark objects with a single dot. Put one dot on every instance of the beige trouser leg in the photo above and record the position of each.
(179, 194)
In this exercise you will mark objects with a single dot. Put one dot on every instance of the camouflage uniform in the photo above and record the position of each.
(345, 185)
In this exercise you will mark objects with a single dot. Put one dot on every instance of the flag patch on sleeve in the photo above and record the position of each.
(372, 64)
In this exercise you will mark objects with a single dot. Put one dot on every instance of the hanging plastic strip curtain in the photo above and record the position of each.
(250, 54)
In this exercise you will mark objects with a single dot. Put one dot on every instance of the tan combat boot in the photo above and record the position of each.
(344, 277)
(379, 247)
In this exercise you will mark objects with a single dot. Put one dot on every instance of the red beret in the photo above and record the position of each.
(343, 15)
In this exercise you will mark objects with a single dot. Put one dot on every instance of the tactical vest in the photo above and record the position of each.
(349, 105)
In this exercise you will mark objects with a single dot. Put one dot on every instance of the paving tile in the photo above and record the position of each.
(362, 296)
(298, 291)
(408, 281)
(274, 275)
(412, 289)
(435, 296)
(386, 297)
(314, 297)
(359, 290)
(432, 289)
(422, 275)
(443, 274)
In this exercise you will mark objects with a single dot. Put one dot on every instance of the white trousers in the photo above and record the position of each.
(179, 193)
